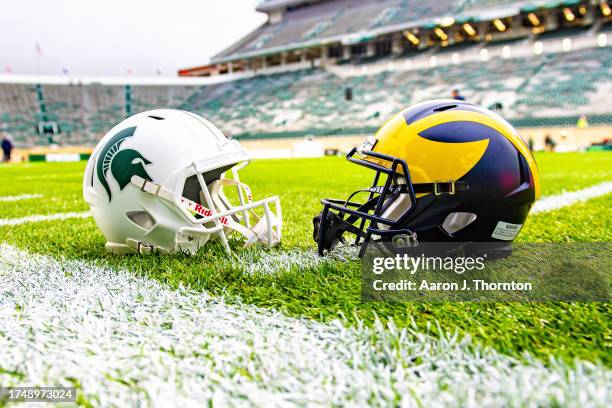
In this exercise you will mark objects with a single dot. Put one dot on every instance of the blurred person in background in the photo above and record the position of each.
(582, 122)
(549, 144)
(7, 148)
(455, 94)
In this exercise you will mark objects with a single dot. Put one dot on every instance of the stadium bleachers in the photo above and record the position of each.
(83, 113)
(18, 108)
(527, 90)
(341, 17)
(539, 90)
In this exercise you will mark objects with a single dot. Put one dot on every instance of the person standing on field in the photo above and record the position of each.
(455, 94)
(583, 122)
(7, 148)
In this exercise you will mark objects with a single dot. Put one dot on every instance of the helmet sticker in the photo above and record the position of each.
(123, 164)
(506, 231)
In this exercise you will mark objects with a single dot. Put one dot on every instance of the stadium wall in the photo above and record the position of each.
(567, 139)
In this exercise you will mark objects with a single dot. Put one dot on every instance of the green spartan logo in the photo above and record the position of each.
(123, 164)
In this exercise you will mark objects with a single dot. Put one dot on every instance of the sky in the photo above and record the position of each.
(118, 37)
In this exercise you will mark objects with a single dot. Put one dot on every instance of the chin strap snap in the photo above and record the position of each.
(152, 188)
(441, 187)
(143, 248)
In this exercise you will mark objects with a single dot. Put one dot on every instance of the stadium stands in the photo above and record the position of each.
(541, 90)
(333, 18)
(82, 113)
(528, 90)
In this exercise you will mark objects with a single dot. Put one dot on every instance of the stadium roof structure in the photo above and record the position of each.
(26, 79)
(295, 24)
(270, 5)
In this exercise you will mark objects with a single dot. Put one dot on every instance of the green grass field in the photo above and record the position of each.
(328, 290)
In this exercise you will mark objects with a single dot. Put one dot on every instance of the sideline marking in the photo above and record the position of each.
(568, 198)
(20, 197)
(39, 218)
(128, 339)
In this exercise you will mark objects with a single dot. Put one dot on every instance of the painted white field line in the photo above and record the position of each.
(273, 262)
(39, 218)
(50, 176)
(128, 340)
(568, 198)
(20, 197)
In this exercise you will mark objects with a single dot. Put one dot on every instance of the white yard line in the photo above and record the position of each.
(128, 340)
(568, 198)
(20, 197)
(39, 218)
(78, 175)
(272, 262)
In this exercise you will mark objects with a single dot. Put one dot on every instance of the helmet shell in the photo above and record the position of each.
(157, 145)
(451, 140)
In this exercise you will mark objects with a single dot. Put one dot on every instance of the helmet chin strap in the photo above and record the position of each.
(267, 229)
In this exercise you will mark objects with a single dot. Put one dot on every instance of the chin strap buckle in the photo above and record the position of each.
(152, 188)
(145, 249)
(444, 187)
(406, 240)
(141, 247)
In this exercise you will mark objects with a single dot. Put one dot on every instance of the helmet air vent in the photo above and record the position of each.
(142, 219)
(456, 221)
(443, 108)
(156, 117)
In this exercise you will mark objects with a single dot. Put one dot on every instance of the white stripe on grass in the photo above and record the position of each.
(262, 261)
(568, 198)
(20, 197)
(47, 176)
(129, 341)
(39, 218)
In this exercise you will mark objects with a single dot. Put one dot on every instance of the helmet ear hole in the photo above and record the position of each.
(142, 219)
(456, 221)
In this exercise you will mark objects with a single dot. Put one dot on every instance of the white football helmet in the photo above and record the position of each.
(155, 183)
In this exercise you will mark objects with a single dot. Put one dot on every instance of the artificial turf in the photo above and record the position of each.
(332, 289)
